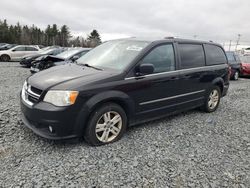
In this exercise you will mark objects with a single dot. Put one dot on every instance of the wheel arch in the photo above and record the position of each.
(117, 97)
(219, 82)
(5, 55)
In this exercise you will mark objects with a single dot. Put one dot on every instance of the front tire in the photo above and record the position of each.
(212, 100)
(106, 124)
(5, 58)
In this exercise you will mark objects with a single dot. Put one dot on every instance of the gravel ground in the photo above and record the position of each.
(192, 149)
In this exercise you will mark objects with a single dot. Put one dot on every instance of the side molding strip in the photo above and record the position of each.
(173, 97)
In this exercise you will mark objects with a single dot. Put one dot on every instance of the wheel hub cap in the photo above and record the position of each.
(108, 126)
(213, 99)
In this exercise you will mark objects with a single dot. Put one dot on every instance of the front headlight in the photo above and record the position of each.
(61, 98)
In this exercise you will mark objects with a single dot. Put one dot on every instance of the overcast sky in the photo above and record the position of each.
(217, 20)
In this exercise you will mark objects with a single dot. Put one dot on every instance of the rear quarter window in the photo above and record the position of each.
(214, 55)
(192, 55)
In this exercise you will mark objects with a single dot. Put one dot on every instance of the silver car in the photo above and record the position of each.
(16, 53)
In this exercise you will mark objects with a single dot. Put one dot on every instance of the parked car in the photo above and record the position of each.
(16, 53)
(7, 46)
(246, 51)
(245, 65)
(26, 60)
(122, 83)
(234, 63)
(1, 44)
(63, 58)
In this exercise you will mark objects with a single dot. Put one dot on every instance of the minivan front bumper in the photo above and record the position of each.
(51, 122)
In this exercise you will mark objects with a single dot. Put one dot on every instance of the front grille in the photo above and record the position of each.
(31, 95)
(32, 99)
(36, 90)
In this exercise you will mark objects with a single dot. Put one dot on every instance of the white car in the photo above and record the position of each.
(246, 51)
(16, 53)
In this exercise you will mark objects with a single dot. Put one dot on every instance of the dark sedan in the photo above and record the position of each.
(66, 57)
(26, 60)
(234, 63)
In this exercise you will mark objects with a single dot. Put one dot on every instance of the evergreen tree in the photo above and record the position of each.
(18, 34)
(64, 35)
(94, 39)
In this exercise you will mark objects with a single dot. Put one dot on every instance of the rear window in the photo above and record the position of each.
(192, 55)
(214, 55)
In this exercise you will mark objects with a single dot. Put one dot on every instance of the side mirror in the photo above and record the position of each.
(146, 69)
(74, 58)
(13, 50)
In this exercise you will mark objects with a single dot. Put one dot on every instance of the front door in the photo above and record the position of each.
(154, 94)
(17, 52)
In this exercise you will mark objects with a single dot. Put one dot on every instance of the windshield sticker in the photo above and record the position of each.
(134, 48)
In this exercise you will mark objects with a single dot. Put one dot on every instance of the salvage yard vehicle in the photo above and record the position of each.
(68, 56)
(16, 53)
(234, 63)
(27, 60)
(245, 65)
(7, 46)
(122, 83)
(2, 44)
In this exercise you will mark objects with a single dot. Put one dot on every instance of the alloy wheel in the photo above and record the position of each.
(213, 99)
(108, 126)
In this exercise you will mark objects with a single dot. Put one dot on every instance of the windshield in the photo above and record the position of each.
(113, 54)
(68, 53)
(245, 59)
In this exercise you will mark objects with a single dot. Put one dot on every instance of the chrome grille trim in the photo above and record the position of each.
(26, 93)
(32, 93)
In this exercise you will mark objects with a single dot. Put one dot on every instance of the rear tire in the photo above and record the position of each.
(106, 124)
(212, 99)
(5, 58)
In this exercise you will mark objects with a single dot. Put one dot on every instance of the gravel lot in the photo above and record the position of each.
(192, 149)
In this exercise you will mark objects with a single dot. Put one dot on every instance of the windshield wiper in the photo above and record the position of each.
(90, 66)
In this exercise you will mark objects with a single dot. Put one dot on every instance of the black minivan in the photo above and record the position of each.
(121, 83)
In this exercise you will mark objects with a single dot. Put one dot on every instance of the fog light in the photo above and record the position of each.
(51, 129)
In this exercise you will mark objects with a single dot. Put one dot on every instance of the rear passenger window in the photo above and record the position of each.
(214, 55)
(192, 55)
(162, 57)
(31, 49)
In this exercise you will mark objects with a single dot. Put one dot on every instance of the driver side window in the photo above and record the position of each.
(162, 57)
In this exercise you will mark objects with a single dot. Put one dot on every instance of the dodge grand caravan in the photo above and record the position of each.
(122, 83)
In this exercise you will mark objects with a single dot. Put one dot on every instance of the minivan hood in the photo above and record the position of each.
(59, 75)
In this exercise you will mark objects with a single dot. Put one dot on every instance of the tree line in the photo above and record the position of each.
(52, 35)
